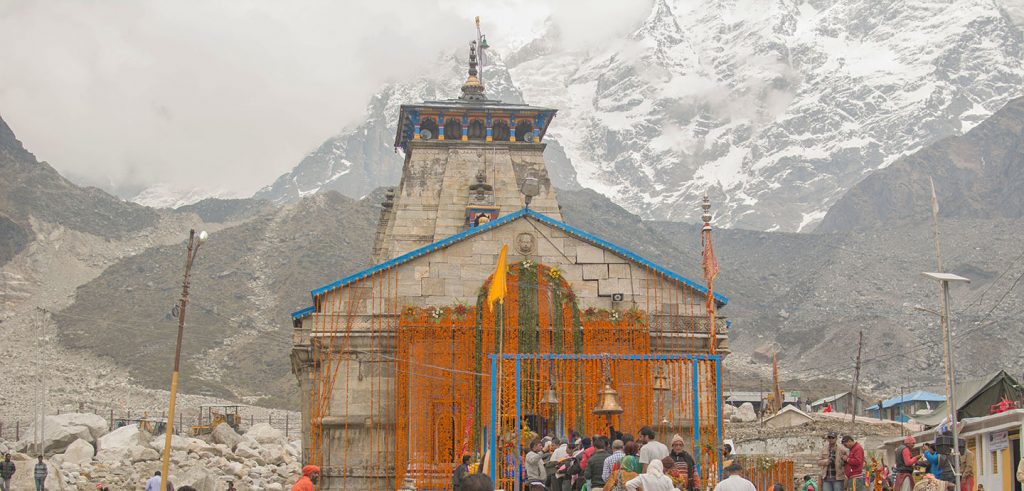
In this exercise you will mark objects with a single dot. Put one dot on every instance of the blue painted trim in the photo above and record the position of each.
(696, 412)
(298, 314)
(623, 252)
(519, 417)
(409, 256)
(494, 419)
(525, 212)
(718, 404)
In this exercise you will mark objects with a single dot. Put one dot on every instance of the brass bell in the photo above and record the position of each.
(551, 399)
(608, 404)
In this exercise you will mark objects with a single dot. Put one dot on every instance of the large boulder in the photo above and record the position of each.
(79, 453)
(226, 435)
(745, 414)
(123, 438)
(249, 449)
(178, 443)
(266, 434)
(142, 454)
(62, 430)
(198, 478)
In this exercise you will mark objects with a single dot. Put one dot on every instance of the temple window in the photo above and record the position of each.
(452, 129)
(524, 131)
(428, 129)
(477, 130)
(500, 131)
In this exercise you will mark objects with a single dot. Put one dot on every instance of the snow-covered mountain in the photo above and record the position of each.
(363, 158)
(165, 196)
(778, 107)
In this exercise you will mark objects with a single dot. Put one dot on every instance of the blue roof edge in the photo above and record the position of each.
(521, 213)
(298, 314)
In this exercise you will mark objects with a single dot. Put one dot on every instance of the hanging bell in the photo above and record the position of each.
(608, 402)
(551, 399)
(483, 42)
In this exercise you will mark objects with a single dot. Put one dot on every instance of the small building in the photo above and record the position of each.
(996, 442)
(977, 397)
(788, 417)
(907, 406)
(841, 403)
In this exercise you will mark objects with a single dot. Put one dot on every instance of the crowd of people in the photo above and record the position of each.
(610, 463)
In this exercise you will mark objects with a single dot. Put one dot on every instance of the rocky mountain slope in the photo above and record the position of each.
(246, 280)
(34, 190)
(778, 109)
(978, 175)
(56, 237)
(807, 295)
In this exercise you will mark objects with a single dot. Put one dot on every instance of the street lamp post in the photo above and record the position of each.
(945, 279)
(193, 248)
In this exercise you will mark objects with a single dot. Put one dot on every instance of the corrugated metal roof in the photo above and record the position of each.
(522, 213)
(915, 396)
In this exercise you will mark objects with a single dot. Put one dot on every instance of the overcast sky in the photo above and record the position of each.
(230, 94)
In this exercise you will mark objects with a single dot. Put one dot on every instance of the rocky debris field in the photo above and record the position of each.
(81, 453)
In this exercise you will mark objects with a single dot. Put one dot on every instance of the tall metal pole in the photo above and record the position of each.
(950, 385)
(946, 339)
(193, 247)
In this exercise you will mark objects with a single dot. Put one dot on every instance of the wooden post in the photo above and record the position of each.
(856, 378)
(250, 420)
(286, 425)
(111, 420)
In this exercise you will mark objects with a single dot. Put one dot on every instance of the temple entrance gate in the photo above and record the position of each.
(535, 394)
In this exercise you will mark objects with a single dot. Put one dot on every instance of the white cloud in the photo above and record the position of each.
(226, 94)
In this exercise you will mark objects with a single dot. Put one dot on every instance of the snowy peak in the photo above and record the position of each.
(776, 107)
(165, 196)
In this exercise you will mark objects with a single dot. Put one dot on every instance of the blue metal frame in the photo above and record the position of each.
(518, 357)
(522, 213)
(696, 414)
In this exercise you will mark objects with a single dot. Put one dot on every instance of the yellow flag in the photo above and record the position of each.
(498, 287)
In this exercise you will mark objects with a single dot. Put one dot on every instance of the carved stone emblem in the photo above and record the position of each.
(526, 243)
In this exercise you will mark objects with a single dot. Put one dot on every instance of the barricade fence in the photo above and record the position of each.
(288, 423)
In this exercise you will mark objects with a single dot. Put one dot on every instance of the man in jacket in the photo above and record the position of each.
(830, 462)
(854, 465)
(459, 473)
(7, 469)
(595, 464)
(905, 462)
(536, 474)
(310, 476)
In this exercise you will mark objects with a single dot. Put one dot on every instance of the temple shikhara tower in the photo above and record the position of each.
(447, 346)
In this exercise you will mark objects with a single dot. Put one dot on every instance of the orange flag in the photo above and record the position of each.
(498, 288)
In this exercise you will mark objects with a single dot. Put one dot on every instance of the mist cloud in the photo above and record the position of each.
(223, 94)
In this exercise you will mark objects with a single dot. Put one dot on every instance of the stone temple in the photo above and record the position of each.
(406, 366)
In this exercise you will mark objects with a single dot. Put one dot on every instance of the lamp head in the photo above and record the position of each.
(203, 236)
